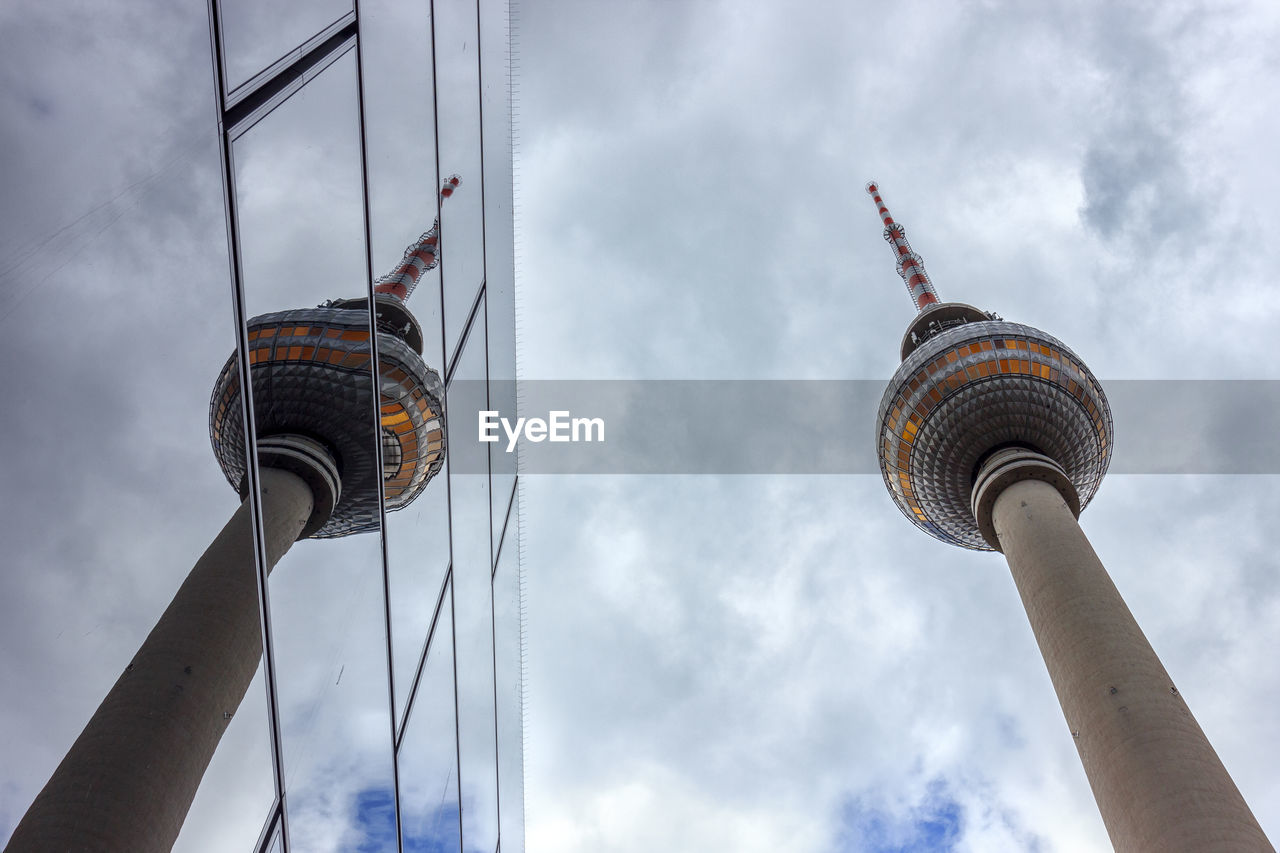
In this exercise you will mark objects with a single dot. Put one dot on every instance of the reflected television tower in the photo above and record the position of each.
(128, 781)
(994, 436)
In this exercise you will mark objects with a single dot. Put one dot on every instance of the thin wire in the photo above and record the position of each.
(78, 244)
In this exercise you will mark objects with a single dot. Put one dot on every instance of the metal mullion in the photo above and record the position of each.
(247, 417)
(422, 658)
(506, 521)
(453, 620)
(453, 628)
(259, 536)
(268, 827)
(218, 50)
(377, 423)
(488, 457)
(484, 246)
(435, 130)
(287, 62)
(521, 610)
(281, 63)
(466, 333)
(259, 104)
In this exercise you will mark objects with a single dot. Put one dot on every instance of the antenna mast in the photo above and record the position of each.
(910, 265)
(421, 256)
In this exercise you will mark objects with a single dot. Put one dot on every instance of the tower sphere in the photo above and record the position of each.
(310, 373)
(971, 384)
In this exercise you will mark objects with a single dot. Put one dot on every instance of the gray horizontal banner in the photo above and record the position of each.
(817, 427)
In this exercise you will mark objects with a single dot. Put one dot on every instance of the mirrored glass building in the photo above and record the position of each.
(385, 707)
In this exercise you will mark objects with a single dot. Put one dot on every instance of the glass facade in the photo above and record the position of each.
(332, 157)
(386, 713)
(385, 708)
(375, 703)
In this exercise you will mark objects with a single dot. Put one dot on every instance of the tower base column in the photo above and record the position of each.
(1157, 780)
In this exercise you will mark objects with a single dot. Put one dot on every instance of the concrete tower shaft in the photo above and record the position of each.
(1158, 782)
(129, 778)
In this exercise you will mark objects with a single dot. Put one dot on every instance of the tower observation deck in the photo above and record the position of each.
(993, 435)
(307, 367)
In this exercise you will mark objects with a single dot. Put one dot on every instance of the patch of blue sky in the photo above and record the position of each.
(376, 820)
(933, 825)
(431, 831)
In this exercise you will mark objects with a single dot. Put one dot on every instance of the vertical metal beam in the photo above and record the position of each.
(377, 428)
(484, 266)
(453, 615)
(251, 445)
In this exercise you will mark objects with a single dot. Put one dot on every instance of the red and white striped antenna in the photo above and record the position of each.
(421, 256)
(910, 265)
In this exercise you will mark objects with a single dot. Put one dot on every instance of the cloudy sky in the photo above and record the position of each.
(765, 663)
(715, 662)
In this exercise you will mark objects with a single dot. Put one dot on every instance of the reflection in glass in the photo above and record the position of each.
(502, 465)
(413, 452)
(258, 32)
(345, 402)
(400, 124)
(277, 843)
(500, 316)
(469, 510)
(428, 754)
(499, 245)
(458, 111)
(509, 688)
(315, 408)
(298, 192)
(417, 557)
(331, 659)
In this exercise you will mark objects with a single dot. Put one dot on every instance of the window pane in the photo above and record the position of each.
(417, 555)
(510, 687)
(299, 190)
(403, 191)
(458, 108)
(400, 122)
(255, 33)
(469, 510)
(428, 752)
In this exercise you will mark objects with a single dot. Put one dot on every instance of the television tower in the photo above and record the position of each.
(128, 781)
(993, 436)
